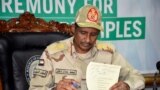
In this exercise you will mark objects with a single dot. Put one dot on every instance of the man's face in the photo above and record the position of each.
(85, 38)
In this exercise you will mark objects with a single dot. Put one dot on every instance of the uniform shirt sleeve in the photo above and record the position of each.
(43, 78)
(128, 74)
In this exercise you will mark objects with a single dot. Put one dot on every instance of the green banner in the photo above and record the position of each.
(53, 9)
(115, 28)
(123, 28)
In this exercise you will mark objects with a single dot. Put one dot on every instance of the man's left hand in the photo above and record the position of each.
(120, 86)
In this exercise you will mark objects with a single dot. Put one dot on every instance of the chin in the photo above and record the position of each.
(86, 49)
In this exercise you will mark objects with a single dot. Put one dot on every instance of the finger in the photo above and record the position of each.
(66, 84)
(60, 85)
(114, 86)
(70, 87)
(66, 87)
(120, 86)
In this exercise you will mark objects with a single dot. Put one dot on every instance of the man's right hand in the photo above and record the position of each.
(66, 84)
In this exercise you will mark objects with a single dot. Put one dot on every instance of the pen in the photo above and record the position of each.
(75, 84)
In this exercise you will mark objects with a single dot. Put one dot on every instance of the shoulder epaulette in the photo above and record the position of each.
(106, 47)
(56, 47)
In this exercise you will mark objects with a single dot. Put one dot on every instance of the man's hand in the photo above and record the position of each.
(120, 86)
(66, 84)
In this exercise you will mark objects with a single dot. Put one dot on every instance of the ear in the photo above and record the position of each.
(73, 27)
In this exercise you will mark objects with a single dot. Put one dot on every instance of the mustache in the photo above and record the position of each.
(86, 43)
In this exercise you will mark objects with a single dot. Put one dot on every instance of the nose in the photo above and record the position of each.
(88, 39)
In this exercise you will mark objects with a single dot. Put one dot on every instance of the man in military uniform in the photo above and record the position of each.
(65, 62)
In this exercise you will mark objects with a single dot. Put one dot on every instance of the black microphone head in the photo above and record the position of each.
(158, 66)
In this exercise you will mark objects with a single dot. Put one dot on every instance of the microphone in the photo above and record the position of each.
(158, 66)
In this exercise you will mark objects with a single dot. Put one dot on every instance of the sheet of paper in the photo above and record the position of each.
(101, 76)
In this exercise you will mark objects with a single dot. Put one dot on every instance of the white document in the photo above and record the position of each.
(101, 76)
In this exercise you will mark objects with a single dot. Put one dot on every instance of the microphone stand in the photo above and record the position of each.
(155, 82)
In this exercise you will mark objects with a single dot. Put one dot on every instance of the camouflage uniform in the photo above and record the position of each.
(61, 59)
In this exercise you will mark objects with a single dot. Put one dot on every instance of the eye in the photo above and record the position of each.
(82, 32)
(94, 34)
